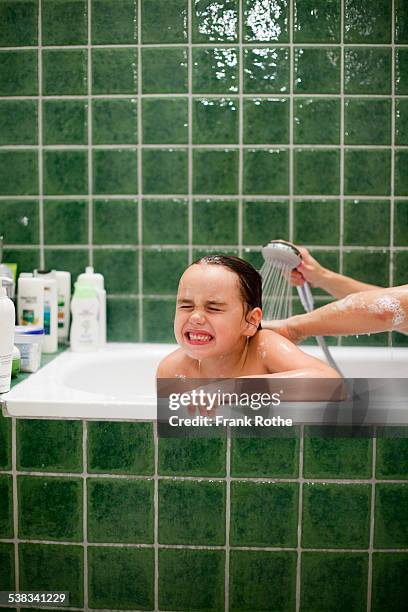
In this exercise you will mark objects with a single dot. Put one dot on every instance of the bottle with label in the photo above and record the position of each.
(30, 300)
(85, 320)
(64, 298)
(7, 324)
(50, 310)
(95, 279)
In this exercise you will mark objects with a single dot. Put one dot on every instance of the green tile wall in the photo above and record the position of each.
(137, 134)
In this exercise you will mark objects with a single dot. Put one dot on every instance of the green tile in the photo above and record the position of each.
(317, 21)
(252, 526)
(18, 23)
(115, 171)
(367, 70)
(74, 260)
(390, 587)
(400, 222)
(215, 121)
(159, 279)
(18, 73)
(7, 580)
(190, 456)
(121, 578)
(266, 172)
(119, 268)
(401, 71)
(120, 448)
(114, 22)
(336, 515)
(6, 508)
(5, 443)
(401, 176)
(120, 510)
(215, 171)
(65, 122)
(53, 567)
(165, 221)
(19, 221)
(215, 70)
(50, 508)
(391, 519)
(367, 172)
(18, 122)
(165, 120)
(264, 23)
(336, 452)
(401, 21)
(164, 21)
(326, 231)
(123, 320)
(317, 70)
(115, 221)
(165, 171)
(215, 22)
(65, 172)
(266, 70)
(198, 253)
(64, 22)
(49, 445)
(262, 581)
(154, 310)
(114, 71)
(360, 115)
(65, 72)
(366, 340)
(18, 172)
(26, 259)
(344, 576)
(316, 121)
(401, 121)
(65, 222)
(263, 220)
(114, 121)
(317, 172)
(164, 70)
(254, 257)
(200, 586)
(368, 266)
(367, 22)
(266, 121)
(376, 232)
(267, 455)
(328, 259)
(215, 222)
(192, 512)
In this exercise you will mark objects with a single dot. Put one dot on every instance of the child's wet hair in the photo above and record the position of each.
(250, 281)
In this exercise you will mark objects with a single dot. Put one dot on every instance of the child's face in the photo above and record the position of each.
(210, 314)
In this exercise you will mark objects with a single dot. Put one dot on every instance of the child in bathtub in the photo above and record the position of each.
(217, 327)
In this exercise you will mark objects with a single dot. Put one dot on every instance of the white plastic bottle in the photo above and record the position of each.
(64, 299)
(30, 300)
(48, 277)
(95, 279)
(7, 323)
(85, 320)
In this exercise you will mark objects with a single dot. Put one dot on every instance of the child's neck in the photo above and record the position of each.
(225, 366)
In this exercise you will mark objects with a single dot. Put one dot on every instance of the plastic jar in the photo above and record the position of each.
(29, 339)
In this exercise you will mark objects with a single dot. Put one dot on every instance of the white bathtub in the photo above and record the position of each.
(118, 382)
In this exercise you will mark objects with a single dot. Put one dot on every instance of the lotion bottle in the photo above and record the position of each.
(96, 280)
(7, 324)
(85, 324)
(64, 299)
(30, 300)
(48, 277)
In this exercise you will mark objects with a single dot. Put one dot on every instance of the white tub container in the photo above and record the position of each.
(29, 340)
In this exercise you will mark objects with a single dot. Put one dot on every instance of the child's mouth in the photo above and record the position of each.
(198, 338)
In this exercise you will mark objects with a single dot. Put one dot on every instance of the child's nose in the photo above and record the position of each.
(197, 316)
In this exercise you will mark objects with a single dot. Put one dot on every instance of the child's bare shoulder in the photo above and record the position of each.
(173, 365)
(266, 338)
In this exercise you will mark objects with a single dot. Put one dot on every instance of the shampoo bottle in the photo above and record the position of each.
(90, 277)
(7, 323)
(30, 300)
(48, 277)
(64, 298)
(85, 319)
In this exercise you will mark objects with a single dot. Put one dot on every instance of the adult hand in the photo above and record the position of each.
(308, 270)
(288, 328)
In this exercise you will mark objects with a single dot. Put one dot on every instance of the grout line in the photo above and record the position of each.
(40, 160)
(156, 516)
(89, 146)
(85, 505)
(200, 95)
(139, 173)
(237, 147)
(190, 135)
(392, 177)
(299, 528)
(291, 139)
(342, 165)
(372, 525)
(15, 539)
(167, 196)
(240, 127)
(227, 517)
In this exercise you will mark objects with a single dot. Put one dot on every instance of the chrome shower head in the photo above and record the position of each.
(281, 254)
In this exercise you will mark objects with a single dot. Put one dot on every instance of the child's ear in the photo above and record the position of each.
(253, 319)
